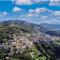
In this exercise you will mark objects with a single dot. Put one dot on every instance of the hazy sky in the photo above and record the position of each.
(37, 11)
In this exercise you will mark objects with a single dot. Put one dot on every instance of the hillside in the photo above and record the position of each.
(23, 41)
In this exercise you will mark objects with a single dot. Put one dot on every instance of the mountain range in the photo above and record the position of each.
(50, 29)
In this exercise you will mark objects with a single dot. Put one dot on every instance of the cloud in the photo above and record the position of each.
(54, 3)
(57, 13)
(30, 15)
(4, 13)
(16, 9)
(37, 16)
(21, 2)
(31, 11)
(40, 11)
(28, 2)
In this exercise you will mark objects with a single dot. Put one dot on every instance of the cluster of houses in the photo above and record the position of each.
(23, 40)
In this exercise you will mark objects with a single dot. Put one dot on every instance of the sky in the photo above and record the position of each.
(36, 11)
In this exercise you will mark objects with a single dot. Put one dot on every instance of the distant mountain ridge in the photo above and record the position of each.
(50, 29)
(51, 26)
